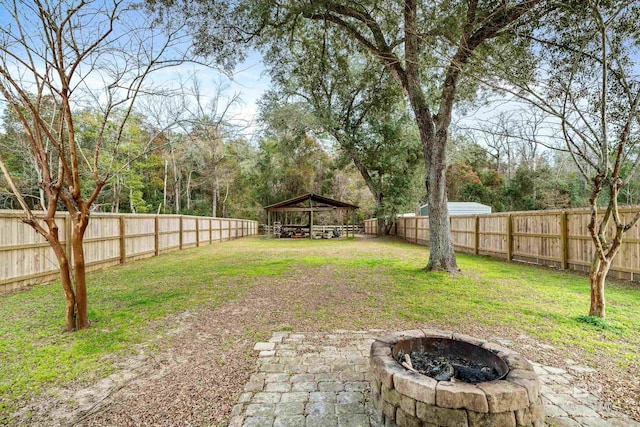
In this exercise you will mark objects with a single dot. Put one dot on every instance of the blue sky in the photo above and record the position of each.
(251, 81)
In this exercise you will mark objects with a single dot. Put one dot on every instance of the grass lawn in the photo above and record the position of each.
(315, 285)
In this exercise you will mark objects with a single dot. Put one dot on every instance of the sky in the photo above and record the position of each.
(251, 81)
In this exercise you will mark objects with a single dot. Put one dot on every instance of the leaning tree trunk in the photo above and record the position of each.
(65, 272)
(67, 284)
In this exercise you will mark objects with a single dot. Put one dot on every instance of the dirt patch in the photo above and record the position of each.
(202, 361)
(195, 371)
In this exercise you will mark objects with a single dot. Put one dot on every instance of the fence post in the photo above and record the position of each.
(220, 229)
(123, 249)
(476, 236)
(564, 241)
(197, 232)
(181, 231)
(210, 231)
(229, 222)
(67, 237)
(157, 235)
(415, 221)
(509, 238)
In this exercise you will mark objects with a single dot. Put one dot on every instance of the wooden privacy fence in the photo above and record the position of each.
(26, 258)
(552, 238)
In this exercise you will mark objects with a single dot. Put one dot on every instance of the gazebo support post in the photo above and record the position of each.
(353, 223)
(269, 223)
(310, 218)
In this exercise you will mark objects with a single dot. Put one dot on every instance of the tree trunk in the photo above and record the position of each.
(441, 254)
(597, 276)
(132, 206)
(115, 203)
(164, 188)
(41, 195)
(176, 186)
(176, 195)
(433, 136)
(79, 271)
(189, 191)
(224, 201)
(214, 197)
(67, 285)
(65, 273)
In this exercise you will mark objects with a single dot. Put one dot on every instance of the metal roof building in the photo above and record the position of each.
(309, 203)
(461, 208)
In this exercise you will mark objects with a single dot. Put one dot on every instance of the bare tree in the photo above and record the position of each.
(76, 54)
(599, 118)
(589, 88)
(497, 136)
(208, 126)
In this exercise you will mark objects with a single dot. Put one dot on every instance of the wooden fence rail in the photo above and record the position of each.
(110, 239)
(552, 238)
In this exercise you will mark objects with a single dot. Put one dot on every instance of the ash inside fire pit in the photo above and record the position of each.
(443, 367)
(445, 359)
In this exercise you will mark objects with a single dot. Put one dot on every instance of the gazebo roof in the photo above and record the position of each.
(311, 201)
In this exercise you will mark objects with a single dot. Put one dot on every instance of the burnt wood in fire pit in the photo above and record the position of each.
(444, 358)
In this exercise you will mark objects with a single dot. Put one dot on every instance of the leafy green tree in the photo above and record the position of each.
(354, 104)
(427, 49)
(408, 40)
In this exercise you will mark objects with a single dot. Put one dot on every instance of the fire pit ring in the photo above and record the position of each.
(406, 398)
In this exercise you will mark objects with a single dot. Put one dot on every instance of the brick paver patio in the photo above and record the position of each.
(321, 379)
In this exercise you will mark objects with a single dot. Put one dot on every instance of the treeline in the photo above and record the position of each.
(205, 167)
(199, 167)
(514, 178)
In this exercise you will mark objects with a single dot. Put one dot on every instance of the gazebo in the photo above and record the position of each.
(310, 203)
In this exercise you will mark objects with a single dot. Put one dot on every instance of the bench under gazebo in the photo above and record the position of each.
(309, 203)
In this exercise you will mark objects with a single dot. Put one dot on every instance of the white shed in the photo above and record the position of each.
(461, 208)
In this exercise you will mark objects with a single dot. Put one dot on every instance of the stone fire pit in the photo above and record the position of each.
(406, 398)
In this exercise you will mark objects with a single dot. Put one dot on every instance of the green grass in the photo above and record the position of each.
(369, 283)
